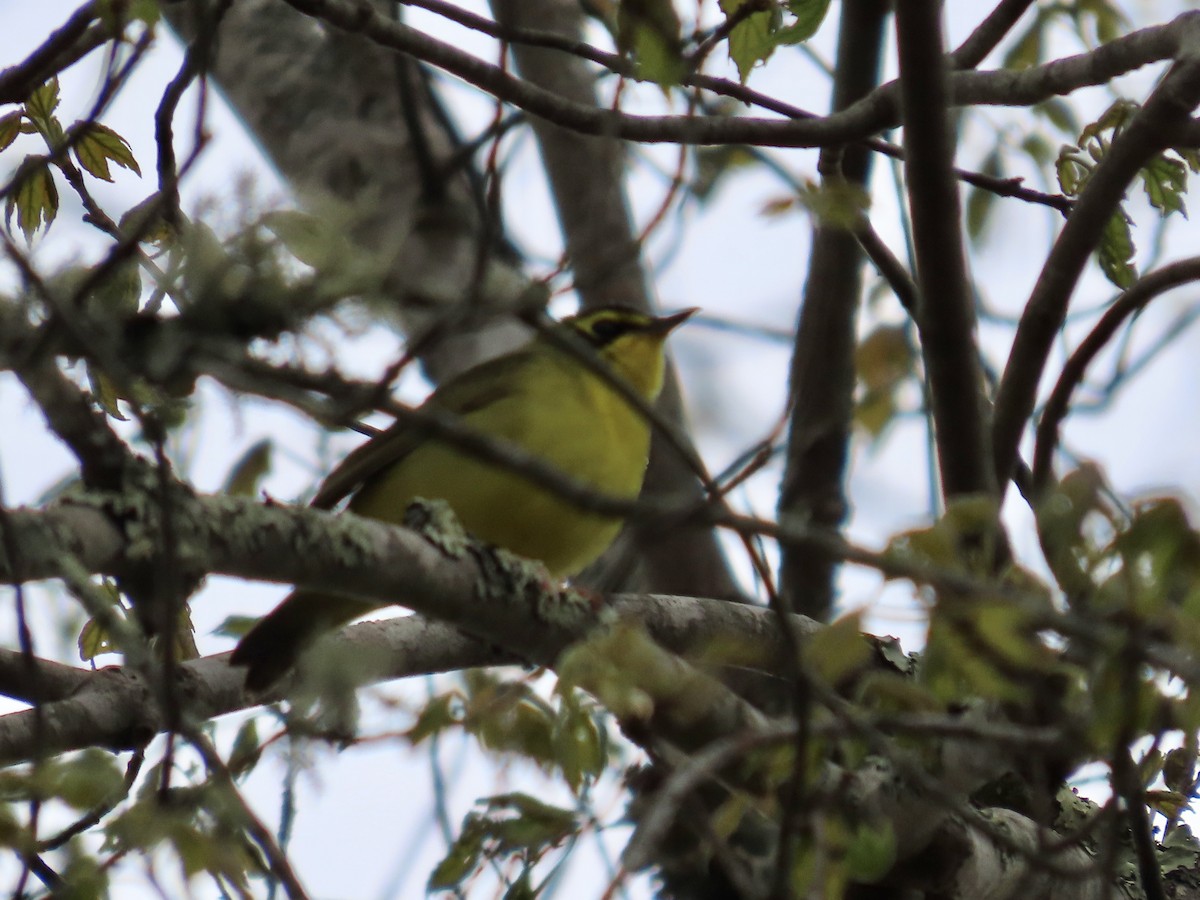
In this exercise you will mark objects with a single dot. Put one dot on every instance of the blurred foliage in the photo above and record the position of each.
(1103, 636)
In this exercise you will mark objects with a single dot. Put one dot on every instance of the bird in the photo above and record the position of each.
(546, 398)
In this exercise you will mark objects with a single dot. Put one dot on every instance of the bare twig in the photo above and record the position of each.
(1147, 288)
(990, 32)
(76, 38)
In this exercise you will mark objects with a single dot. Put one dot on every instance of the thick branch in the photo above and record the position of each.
(965, 862)
(946, 315)
(488, 594)
(990, 32)
(77, 37)
(822, 368)
(113, 707)
(234, 536)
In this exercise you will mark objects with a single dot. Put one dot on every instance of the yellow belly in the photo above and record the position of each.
(573, 421)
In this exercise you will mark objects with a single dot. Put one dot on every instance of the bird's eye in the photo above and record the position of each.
(607, 330)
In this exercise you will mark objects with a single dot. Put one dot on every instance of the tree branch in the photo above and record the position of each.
(1147, 288)
(102, 455)
(874, 113)
(490, 594)
(946, 314)
(822, 368)
(1170, 105)
(363, 144)
(990, 32)
(77, 37)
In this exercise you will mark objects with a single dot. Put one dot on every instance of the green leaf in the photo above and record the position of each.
(94, 638)
(310, 239)
(117, 296)
(43, 102)
(1117, 250)
(116, 14)
(83, 878)
(1108, 21)
(246, 749)
(1027, 51)
(648, 30)
(580, 747)
(1060, 519)
(1190, 156)
(236, 626)
(1113, 119)
(440, 713)
(1010, 637)
(953, 666)
(522, 888)
(1072, 170)
(105, 393)
(836, 203)
(871, 852)
(887, 692)
(35, 201)
(1165, 181)
(752, 40)
(608, 665)
(1060, 114)
(1038, 149)
(874, 411)
(884, 358)
(522, 822)
(658, 60)
(84, 780)
(147, 222)
(461, 858)
(148, 11)
(957, 539)
(809, 14)
(201, 826)
(1161, 557)
(96, 144)
(248, 472)
(523, 727)
(10, 127)
(1118, 707)
(838, 650)
(1168, 804)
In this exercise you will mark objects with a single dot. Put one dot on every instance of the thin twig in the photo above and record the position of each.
(1147, 288)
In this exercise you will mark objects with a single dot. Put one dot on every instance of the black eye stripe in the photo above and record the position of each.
(605, 331)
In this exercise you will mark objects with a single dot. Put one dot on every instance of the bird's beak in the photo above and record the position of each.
(666, 324)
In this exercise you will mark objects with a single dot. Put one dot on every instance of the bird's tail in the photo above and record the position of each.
(272, 647)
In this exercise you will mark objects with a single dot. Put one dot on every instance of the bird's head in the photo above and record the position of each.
(630, 341)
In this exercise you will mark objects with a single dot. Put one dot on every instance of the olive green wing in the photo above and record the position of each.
(473, 390)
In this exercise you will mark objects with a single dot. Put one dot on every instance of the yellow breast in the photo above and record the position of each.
(564, 414)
